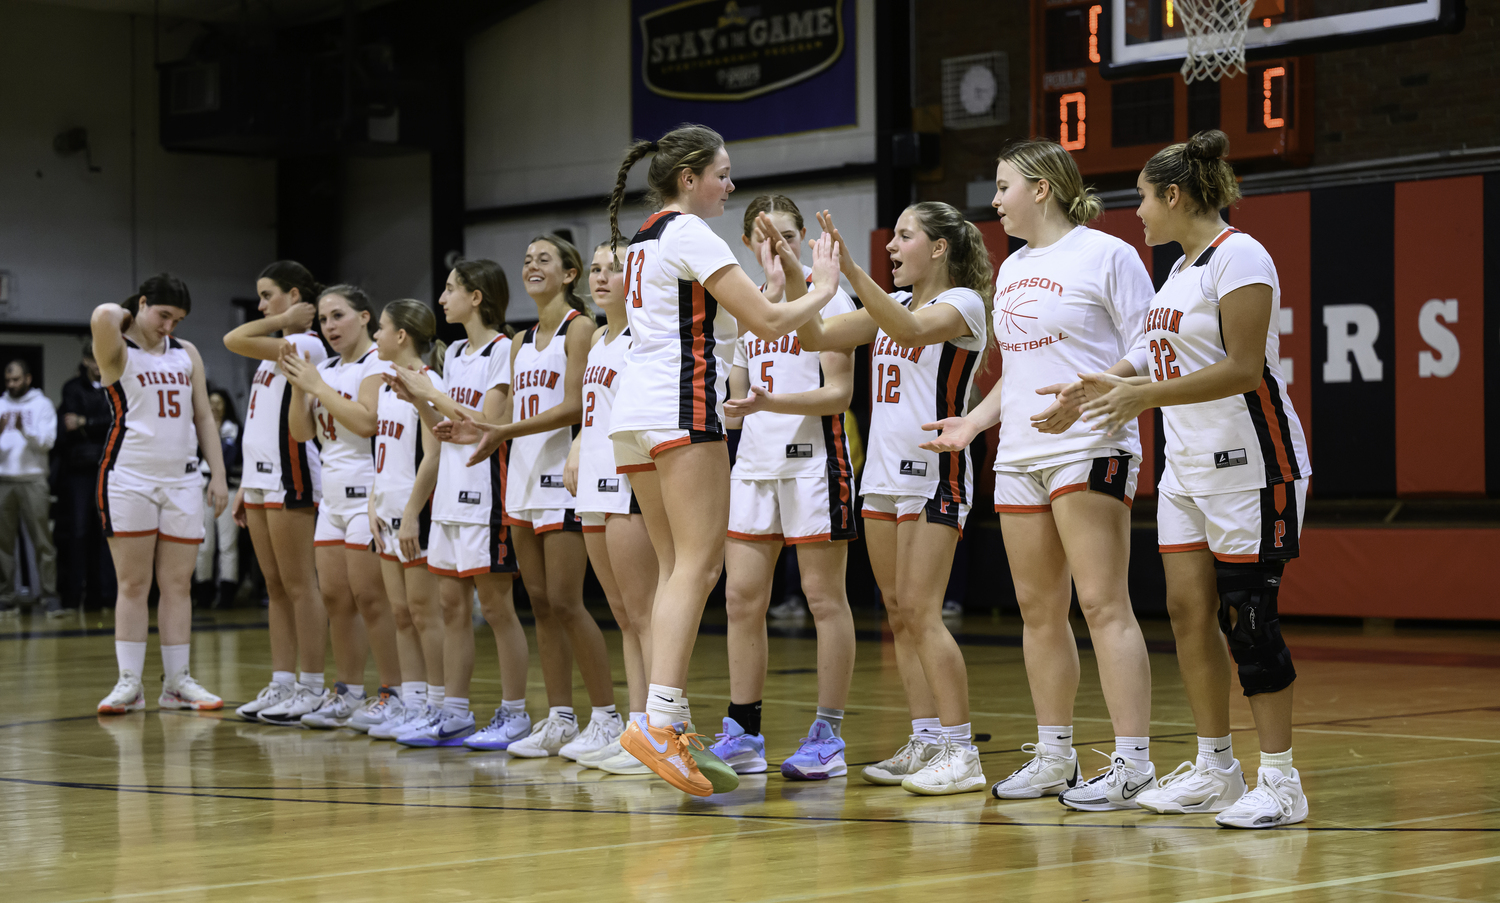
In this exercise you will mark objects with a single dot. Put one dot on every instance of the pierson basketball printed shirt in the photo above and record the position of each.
(682, 341)
(1075, 306)
(1231, 444)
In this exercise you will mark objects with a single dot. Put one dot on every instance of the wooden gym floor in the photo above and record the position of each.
(1398, 744)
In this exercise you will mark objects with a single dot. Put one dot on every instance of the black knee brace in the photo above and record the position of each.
(1265, 664)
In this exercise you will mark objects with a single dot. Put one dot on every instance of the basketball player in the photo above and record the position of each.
(469, 546)
(1072, 301)
(613, 527)
(791, 484)
(279, 493)
(1231, 498)
(687, 299)
(928, 344)
(149, 495)
(336, 401)
(400, 510)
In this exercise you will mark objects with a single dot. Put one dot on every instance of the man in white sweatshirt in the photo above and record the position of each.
(28, 427)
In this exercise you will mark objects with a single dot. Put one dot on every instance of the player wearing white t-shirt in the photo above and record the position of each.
(1232, 494)
(687, 300)
(614, 530)
(792, 484)
(335, 402)
(1072, 301)
(400, 511)
(469, 546)
(149, 495)
(927, 347)
(279, 491)
(547, 367)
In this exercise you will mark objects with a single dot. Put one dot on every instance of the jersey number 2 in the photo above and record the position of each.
(887, 378)
(167, 404)
(588, 411)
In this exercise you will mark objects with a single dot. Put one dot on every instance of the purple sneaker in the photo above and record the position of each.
(820, 757)
(745, 753)
(442, 729)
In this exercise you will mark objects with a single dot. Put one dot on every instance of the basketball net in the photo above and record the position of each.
(1215, 37)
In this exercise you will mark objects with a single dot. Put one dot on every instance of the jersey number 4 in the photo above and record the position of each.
(633, 262)
(887, 379)
(1166, 360)
(167, 404)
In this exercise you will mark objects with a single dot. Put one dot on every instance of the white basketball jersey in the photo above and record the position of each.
(398, 450)
(778, 446)
(153, 436)
(913, 386)
(1075, 306)
(273, 460)
(1248, 441)
(534, 472)
(464, 494)
(600, 489)
(348, 458)
(682, 342)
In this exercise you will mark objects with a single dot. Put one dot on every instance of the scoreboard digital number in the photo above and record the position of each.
(1114, 126)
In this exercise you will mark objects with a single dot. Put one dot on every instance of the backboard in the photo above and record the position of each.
(1145, 37)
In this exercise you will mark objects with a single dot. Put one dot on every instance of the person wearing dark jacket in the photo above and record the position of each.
(86, 575)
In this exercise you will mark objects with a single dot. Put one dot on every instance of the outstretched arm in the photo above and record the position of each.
(255, 339)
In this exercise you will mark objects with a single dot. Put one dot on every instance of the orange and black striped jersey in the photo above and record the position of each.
(682, 341)
(274, 461)
(913, 386)
(153, 436)
(1235, 443)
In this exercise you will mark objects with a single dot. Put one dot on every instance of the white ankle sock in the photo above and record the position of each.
(665, 705)
(455, 705)
(929, 729)
(1057, 739)
(285, 678)
(564, 712)
(355, 692)
(962, 735)
(1216, 752)
(414, 694)
(1136, 751)
(314, 681)
(131, 657)
(513, 706)
(1281, 761)
(435, 696)
(174, 660)
(603, 713)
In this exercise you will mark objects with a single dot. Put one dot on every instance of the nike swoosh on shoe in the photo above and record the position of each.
(448, 735)
(1129, 792)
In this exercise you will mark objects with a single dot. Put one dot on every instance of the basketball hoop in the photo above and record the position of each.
(1215, 37)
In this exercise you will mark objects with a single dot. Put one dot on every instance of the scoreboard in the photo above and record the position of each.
(1114, 126)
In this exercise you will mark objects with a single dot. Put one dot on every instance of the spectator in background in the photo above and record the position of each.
(87, 578)
(221, 534)
(28, 427)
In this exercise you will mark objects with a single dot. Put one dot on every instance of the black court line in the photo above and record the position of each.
(71, 785)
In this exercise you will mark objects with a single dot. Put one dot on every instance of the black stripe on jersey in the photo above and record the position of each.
(490, 346)
(173, 343)
(1278, 522)
(529, 336)
(294, 461)
(652, 230)
(502, 553)
(697, 391)
(952, 466)
(840, 477)
(1263, 433)
(116, 439)
(1208, 252)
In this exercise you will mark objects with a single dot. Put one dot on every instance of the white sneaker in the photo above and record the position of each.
(1195, 788)
(1046, 774)
(441, 728)
(335, 711)
(546, 739)
(272, 694)
(127, 696)
(183, 692)
(503, 730)
(592, 758)
(1116, 787)
(377, 710)
(393, 726)
(622, 762)
(907, 761)
(600, 733)
(1276, 800)
(289, 712)
(955, 769)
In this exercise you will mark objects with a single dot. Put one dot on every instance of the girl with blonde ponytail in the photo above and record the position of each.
(1072, 301)
(928, 344)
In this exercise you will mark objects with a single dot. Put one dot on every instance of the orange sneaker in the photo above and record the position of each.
(665, 750)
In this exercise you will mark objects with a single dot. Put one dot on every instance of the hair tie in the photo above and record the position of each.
(654, 146)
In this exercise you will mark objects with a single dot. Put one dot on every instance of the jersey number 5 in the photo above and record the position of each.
(1166, 360)
(167, 404)
(765, 377)
(887, 378)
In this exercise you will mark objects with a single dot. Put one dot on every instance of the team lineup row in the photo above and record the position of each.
(389, 482)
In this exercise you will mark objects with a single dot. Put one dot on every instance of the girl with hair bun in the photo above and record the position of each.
(335, 401)
(279, 492)
(1230, 502)
(149, 495)
(929, 343)
(1072, 301)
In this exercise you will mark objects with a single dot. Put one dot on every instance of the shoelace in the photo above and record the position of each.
(1108, 772)
(1181, 773)
(909, 751)
(1282, 800)
(945, 755)
(122, 685)
(189, 685)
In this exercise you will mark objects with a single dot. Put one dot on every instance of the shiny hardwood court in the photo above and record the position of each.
(1398, 744)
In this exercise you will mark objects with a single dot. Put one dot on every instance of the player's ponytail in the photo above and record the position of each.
(420, 324)
(968, 260)
(571, 259)
(163, 288)
(1199, 169)
(687, 147)
(1039, 159)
